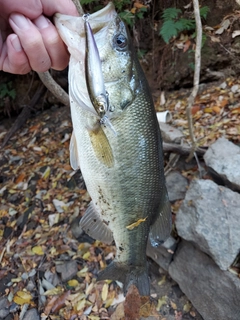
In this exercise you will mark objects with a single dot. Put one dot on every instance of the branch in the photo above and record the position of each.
(196, 75)
(47, 79)
(183, 150)
(79, 7)
(53, 87)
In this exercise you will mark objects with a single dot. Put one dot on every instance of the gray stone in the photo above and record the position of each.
(209, 216)
(4, 309)
(163, 254)
(176, 185)
(31, 314)
(170, 134)
(213, 292)
(222, 159)
(67, 270)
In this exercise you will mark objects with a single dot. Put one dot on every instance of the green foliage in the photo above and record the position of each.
(171, 14)
(204, 12)
(130, 18)
(120, 5)
(123, 7)
(83, 2)
(173, 24)
(6, 90)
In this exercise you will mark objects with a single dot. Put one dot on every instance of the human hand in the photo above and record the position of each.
(28, 39)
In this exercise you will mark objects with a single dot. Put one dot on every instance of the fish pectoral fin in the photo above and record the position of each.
(93, 225)
(74, 161)
(137, 275)
(101, 146)
(160, 230)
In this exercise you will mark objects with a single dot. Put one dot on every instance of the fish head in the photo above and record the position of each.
(118, 67)
(116, 55)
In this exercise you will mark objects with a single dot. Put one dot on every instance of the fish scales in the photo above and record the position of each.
(123, 172)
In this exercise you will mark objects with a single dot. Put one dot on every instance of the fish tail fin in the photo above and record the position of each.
(137, 275)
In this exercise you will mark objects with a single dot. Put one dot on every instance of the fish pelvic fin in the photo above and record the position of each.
(161, 228)
(137, 275)
(73, 152)
(101, 146)
(93, 225)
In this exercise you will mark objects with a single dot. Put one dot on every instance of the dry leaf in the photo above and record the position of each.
(139, 5)
(136, 224)
(22, 297)
(132, 303)
(38, 250)
(161, 302)
(224, 26)
(235, 33)
(104, 293)
(216, 109)
(73, 283)
(60, 302)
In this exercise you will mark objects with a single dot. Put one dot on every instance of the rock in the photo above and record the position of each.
(176, 185)
(223, 158)
(163, 254)
(31, 314)
(67, 270)
(209, 216)
(213, 292)
(4, 309)
(170, 134)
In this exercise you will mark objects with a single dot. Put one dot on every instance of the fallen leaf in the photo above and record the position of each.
(224, 26)
(38, 250)
(53, 291)
(235, 33)
(186, 45)
(73, 283)
(161, 301)
(20, 178)
(136, 224)
(132, 303)
(104, 293)
(22, 297)
(60, 302)
(139, 5)
(216, 109)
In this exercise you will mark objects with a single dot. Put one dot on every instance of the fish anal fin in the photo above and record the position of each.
(137, 275)
(160, 230)
(93, 225)
(101, 146)
(74, 161)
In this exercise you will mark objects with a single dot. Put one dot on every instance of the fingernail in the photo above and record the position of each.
(41, 22)
(20, 21)
(16, 43)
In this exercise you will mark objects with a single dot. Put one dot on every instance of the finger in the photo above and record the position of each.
(31, 41)
(53, 43)
(61, 6)
(13, 59)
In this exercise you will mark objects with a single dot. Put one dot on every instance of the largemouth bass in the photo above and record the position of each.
(123, 170)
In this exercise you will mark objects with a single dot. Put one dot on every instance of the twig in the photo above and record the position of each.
(54, 87)
(78, 7)
(47, 79)
(181, 149)
(196, 75)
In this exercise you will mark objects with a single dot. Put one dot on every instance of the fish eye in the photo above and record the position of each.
(120, 41)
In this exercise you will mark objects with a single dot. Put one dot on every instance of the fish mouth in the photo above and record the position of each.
(100, 19)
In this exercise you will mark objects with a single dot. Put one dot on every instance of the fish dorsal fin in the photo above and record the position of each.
(73, 152)
(101, 146)
(160, 230)
(93, 225)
